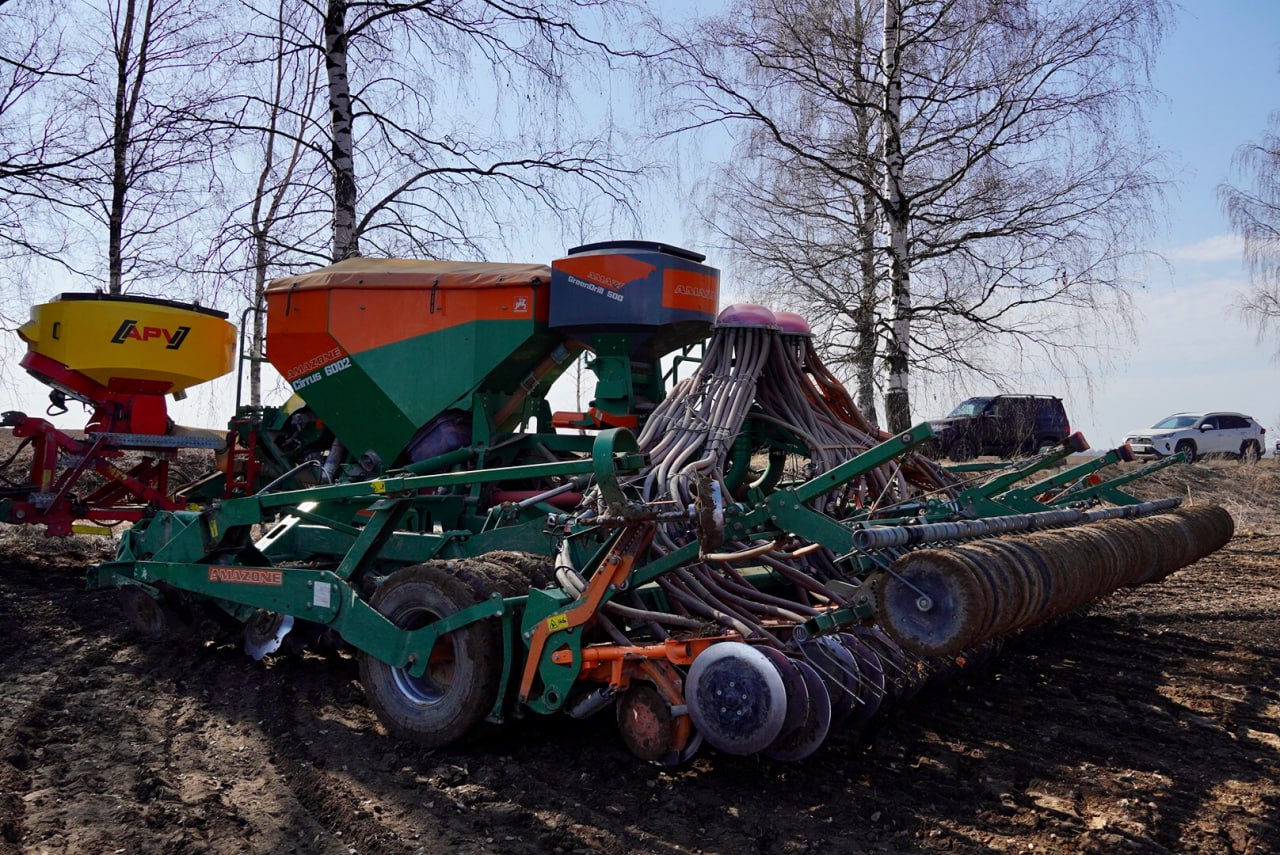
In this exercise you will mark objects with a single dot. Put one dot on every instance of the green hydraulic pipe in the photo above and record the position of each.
(440, 463)
(603, 463)
(1001, 483)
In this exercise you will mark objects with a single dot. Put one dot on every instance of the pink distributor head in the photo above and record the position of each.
(746, 315)
(789, 323)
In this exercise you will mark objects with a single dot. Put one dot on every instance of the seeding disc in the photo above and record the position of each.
(839, 670)
(736, 698)
(265, 632)
(793, 683)
(956, 613)
(809, 737)
(145, 613)
(871, 689)
(142, 610)
(645, 722)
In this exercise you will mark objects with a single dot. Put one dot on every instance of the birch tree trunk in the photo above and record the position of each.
(897, 400)
(129, 83)
(149, 106)
(346, 241)
(864, 317)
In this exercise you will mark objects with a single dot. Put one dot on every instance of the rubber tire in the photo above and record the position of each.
(412, 598)
(1189, 447)
(1047, 444)
(962, 450)
(1250, 451)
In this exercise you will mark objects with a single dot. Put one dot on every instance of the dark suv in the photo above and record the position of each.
(1003, 425)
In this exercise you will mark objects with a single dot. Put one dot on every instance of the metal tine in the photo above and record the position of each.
(812, 663)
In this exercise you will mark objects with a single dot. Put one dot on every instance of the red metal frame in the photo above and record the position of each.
(127, 406)
(243, 463)
(125, 497)
(59, 461)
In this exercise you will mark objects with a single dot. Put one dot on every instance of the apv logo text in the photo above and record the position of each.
(131, 330)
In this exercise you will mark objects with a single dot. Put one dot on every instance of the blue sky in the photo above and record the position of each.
(1219, 75)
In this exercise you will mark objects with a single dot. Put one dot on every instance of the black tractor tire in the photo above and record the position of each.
(1047, 444)
(1188, 447)
(962, 450)
(1250, 451)
(517, 572)
(461, 682)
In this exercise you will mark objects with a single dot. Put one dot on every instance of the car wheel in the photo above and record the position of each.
(1188, 448)
(962, 451)
(1251, 451)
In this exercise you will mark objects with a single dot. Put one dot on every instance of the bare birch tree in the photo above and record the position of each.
(40, 148)
(153, 83)
(280, 133)
(806, 240)
(1254, 211)
(405, 181)
(1010, 175)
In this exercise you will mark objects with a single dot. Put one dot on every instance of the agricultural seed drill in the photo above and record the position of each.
(719, 548)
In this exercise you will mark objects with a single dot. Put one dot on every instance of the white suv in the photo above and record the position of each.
(1198, 434)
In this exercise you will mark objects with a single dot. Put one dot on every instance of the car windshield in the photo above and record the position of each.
(1177, 422)
(971, 407)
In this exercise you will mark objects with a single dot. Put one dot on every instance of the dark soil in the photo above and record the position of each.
(1151, 725)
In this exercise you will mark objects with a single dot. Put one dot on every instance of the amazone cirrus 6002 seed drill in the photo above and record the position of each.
(720, 548)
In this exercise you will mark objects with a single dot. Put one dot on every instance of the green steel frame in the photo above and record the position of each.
(324, 542)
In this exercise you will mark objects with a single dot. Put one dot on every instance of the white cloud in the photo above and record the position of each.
(1217, 248)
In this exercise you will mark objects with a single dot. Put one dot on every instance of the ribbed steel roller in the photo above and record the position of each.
(1006, 601)
(958, 607)
(988, 588)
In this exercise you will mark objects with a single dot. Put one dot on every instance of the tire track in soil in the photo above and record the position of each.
(104, 753)
(220, 775)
